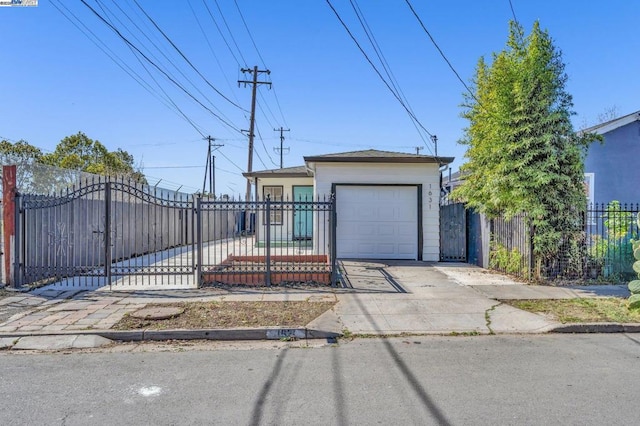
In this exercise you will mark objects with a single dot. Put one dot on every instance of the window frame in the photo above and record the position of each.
(276, 213)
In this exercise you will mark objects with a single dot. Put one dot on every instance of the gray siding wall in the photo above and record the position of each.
(615, 165)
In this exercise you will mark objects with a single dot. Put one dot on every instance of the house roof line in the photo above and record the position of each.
(366, 156)
(612, 125)
(297, 171)
(377, 156)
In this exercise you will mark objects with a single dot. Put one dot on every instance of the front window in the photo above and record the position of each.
(274, 193)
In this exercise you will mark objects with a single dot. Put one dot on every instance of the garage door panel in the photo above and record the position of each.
(406, 215)
(377, 222)
(386, 230)
(387, 249)
(406, 229)
(365, 229)
(406, 249)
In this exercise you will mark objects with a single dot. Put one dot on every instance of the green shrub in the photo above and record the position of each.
(501, 259)
(634, 286)
(614, 251)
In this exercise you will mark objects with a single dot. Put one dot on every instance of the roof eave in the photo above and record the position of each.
(612, 125)
(415, 160)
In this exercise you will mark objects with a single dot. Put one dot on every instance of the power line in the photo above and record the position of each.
(266, 105)
(173, 63)
(173, 167)
(221, 33)
(376, 69)
(230, 33)
(440, 50)
(513, 12)
(168, 98)
(187, 59)
(249, 32)
(101, 18)
(110, 54)
(279, 107)
(204, 33)
(231, 161)
(265, 147)
(263, 63)
(385, 64)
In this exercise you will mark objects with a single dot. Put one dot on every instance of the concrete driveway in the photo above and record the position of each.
(394, 297)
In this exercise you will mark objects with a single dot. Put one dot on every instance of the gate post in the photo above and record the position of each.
(199, 240)
(18, 257)
(107, 232)
(8, 218)
(333, 223)
(268, 242)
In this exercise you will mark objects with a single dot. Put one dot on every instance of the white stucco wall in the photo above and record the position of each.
(426, 174)
(285, 231)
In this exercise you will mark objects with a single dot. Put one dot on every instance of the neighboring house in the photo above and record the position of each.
(451, 181)
(611, 168)
(387, 203)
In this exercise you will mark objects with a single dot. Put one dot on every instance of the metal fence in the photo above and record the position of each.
(609, 229)
(510, 246)
(116, 233)
(601, 252)
(104, 229)
(285, 242)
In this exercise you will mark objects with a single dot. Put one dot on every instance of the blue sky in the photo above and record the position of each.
(57, 82)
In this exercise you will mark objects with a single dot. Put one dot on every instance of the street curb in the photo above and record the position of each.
(267, 333)
(597, 328)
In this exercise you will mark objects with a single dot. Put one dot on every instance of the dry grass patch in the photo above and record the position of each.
(199, 315)
(609, 309)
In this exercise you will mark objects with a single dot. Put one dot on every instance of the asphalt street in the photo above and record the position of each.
(586, 379)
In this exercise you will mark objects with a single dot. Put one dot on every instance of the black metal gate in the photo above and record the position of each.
(123, 234)
(453, 233)
(103, 234)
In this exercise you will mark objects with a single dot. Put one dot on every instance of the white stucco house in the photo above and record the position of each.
(387, 203)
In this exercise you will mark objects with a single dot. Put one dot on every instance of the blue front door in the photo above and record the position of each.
(303, 213)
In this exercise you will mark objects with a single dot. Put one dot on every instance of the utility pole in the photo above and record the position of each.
(254, 82)
(210, 166)
(281, 150)
(434, 138)
(418, 149)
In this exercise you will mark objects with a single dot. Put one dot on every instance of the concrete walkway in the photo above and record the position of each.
(379, 298)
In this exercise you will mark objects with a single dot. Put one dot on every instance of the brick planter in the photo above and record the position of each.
(251, 270)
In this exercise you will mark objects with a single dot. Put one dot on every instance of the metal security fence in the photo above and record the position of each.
(285, 242)
(122, 233)
(600, 251)
(106, 230)
(510, 246)
(609, 229)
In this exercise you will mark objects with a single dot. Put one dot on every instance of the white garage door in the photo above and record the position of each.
(377, 222)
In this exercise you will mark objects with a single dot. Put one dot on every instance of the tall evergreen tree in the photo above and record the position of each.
(523, 153)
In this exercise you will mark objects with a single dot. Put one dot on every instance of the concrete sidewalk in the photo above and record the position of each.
(379, 298)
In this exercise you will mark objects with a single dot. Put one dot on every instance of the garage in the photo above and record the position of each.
(377, 221)
(386, 203)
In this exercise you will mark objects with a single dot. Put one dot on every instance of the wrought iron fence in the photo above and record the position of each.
(510, 246)
(609, 229)
(282, 242)
(602, 251)
(103, 229)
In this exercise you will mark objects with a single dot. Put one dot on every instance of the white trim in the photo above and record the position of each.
(612, 125)
(590, 186)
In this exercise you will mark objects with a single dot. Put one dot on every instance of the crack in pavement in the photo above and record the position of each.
(487, 317)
